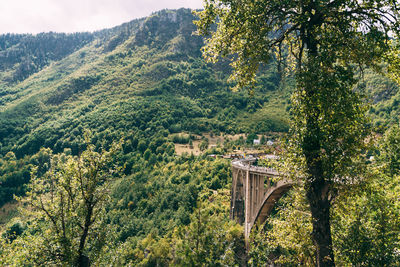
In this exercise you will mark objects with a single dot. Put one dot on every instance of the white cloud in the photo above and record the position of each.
(34, 16)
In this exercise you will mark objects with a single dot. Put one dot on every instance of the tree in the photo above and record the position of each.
(390, 151)
(67, 205)
(204, 144)
(251, 137)
(287, 241)
(326, 39)
(190, 144)
(367, 228)
(209, 240)
(367, 224)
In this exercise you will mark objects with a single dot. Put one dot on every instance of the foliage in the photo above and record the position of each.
(365, 227)
(285, 237)
(66, 207)
(204, 144)
(25, 54)
(390, 152)
(210, 239)
(15, 173)
(367, 219)
(366, 224)
(157, 198)
(207, 241)
(123, 82)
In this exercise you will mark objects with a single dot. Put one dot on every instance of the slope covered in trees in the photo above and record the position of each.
(143, 78)
(145, 81)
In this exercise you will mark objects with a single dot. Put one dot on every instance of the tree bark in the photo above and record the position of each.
(82, 260)
(318, 191)
(318, 197)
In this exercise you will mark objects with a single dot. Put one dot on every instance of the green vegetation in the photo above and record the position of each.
(140, 204)
(66, 205)
(138, 88)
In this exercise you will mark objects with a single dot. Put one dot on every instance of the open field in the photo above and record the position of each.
(7, 212)
(213, 141)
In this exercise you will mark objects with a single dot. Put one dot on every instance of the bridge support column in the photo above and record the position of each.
(247, 206)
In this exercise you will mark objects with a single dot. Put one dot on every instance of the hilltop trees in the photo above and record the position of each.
(25, 54)
(326, 39)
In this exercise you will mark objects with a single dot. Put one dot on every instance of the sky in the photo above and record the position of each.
(35, 16)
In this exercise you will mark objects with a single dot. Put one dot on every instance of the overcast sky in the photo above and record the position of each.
(34, 16)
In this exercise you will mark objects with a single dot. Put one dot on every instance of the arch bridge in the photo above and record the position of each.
(253, 193)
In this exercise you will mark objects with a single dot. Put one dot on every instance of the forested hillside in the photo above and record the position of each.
(142, 80)
(137, 90)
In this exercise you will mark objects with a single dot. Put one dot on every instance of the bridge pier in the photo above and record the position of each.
(247, 205)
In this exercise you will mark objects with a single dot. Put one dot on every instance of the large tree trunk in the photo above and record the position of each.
(318, 191)
(318, 188)
(318, 197)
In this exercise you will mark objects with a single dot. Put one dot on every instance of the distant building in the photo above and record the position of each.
(256, 141)
(215, 156)
(270, 143)
(270, 157)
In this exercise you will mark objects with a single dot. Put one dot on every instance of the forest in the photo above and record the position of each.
(90, 122)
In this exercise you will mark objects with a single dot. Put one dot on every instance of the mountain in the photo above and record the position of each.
(142, 80)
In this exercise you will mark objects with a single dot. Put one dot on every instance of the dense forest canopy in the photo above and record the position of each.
(143, 89)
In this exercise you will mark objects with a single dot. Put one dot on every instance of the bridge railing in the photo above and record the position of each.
(245, 164)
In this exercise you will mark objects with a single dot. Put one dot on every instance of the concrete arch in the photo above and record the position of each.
(273, 194)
